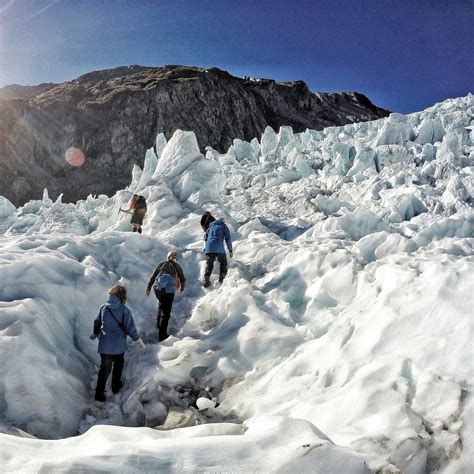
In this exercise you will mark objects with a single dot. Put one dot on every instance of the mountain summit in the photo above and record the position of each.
(109, 118)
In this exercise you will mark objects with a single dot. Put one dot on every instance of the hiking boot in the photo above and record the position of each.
(134, 229)
(206, 284)
(139, 231)
(100, 397)
(116, 388)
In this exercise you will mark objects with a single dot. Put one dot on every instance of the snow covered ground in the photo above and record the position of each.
(341, 340)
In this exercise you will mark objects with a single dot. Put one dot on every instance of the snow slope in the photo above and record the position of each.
(341, 340)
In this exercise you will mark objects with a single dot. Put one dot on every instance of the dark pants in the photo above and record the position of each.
(210, 258)
(106, 363)
(165, 303)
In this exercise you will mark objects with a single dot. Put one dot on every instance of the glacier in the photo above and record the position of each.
(340, 341)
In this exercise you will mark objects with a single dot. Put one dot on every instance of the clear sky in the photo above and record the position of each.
(404, 55)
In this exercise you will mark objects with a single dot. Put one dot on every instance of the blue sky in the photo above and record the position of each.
(404, 55)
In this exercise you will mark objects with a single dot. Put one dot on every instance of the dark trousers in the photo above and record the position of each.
(165, 303)
(210, 258)
(106, 363)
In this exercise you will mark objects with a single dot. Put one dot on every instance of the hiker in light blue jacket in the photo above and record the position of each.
(112, 326)
(215, 235)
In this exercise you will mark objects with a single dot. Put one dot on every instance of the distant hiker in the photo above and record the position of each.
(215, 235)
(206, 220)
(138, 208)
(112, 326)
(167, 277)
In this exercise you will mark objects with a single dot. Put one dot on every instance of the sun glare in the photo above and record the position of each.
(75, 157)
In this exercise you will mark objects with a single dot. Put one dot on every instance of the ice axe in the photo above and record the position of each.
(124, 210)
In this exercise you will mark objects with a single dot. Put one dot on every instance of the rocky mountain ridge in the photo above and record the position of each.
(114, 115)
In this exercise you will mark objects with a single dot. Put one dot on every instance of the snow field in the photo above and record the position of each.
(345, 322)
(264, 444)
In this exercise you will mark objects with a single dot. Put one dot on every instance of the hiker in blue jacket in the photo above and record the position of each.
(112, 325)
(214, 237)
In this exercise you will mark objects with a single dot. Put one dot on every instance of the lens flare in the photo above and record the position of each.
(75, 157)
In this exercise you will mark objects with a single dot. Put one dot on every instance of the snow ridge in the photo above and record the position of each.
(339, 342)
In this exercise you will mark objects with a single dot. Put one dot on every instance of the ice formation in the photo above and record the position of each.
(341, 340)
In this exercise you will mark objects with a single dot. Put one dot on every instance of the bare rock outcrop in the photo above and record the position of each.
(114, 115)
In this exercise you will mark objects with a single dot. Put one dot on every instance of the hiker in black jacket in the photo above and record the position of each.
(137, 207)
(167, 277)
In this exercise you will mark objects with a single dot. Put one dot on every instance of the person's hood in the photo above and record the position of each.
(113, 302)
(219, 221)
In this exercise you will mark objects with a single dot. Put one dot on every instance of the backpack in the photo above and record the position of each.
(140, 204)
(161, 270)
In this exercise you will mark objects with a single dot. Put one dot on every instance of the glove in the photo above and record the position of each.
(141, 343)
(231, 253)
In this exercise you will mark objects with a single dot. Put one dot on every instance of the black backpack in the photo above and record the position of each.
(141, 203)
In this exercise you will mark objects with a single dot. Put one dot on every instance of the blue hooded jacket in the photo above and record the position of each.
(215, 235)
(111, 338)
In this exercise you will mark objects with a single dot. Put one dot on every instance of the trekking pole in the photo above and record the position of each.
(124, 210)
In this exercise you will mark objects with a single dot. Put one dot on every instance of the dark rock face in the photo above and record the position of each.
(113, 116)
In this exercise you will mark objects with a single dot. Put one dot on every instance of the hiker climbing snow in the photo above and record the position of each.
(112, 326)
(166, 279)
(214, 237)
(137, 207)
